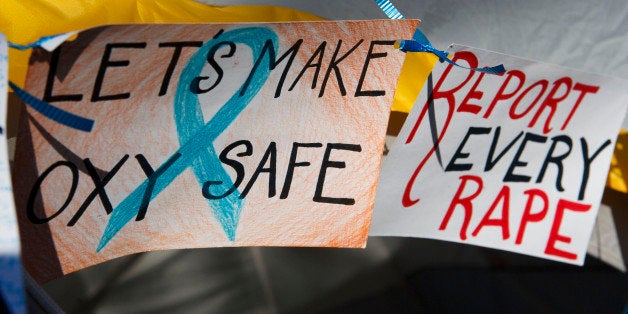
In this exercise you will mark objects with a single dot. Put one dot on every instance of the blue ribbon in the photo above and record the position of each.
(420, 43)
(52, 112)
(36, 44)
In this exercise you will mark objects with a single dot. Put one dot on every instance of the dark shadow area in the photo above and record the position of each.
(43, 253)
(395, 122)
(510, 287)
(14, 109)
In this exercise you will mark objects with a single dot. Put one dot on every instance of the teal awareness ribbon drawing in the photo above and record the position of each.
(196, 137)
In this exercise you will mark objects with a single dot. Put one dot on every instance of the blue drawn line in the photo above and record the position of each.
(196, 138)
(52, 112)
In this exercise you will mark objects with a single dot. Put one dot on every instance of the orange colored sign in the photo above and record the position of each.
(204, 136)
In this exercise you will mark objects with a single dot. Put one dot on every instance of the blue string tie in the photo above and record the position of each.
(420, 43)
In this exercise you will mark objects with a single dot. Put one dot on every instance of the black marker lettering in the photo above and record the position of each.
(370, 55)
(236, 165)
(271, 152)
(318, 197)
(319, 52)
(587, 164)
(272, 64)
(516, 162)
(99, 189)
(557, 160)
(52, 72)
(490, 162)
(333, 65)
(292, 164)
(152, 179)
(30, 211)
(178, 47)
(195, 84)
(452, 166)
(106, 63)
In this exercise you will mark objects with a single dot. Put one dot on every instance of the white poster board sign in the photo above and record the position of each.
(515, 161)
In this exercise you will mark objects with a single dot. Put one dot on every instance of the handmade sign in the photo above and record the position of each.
(515, 161)
(11, 291)
(179, 136)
